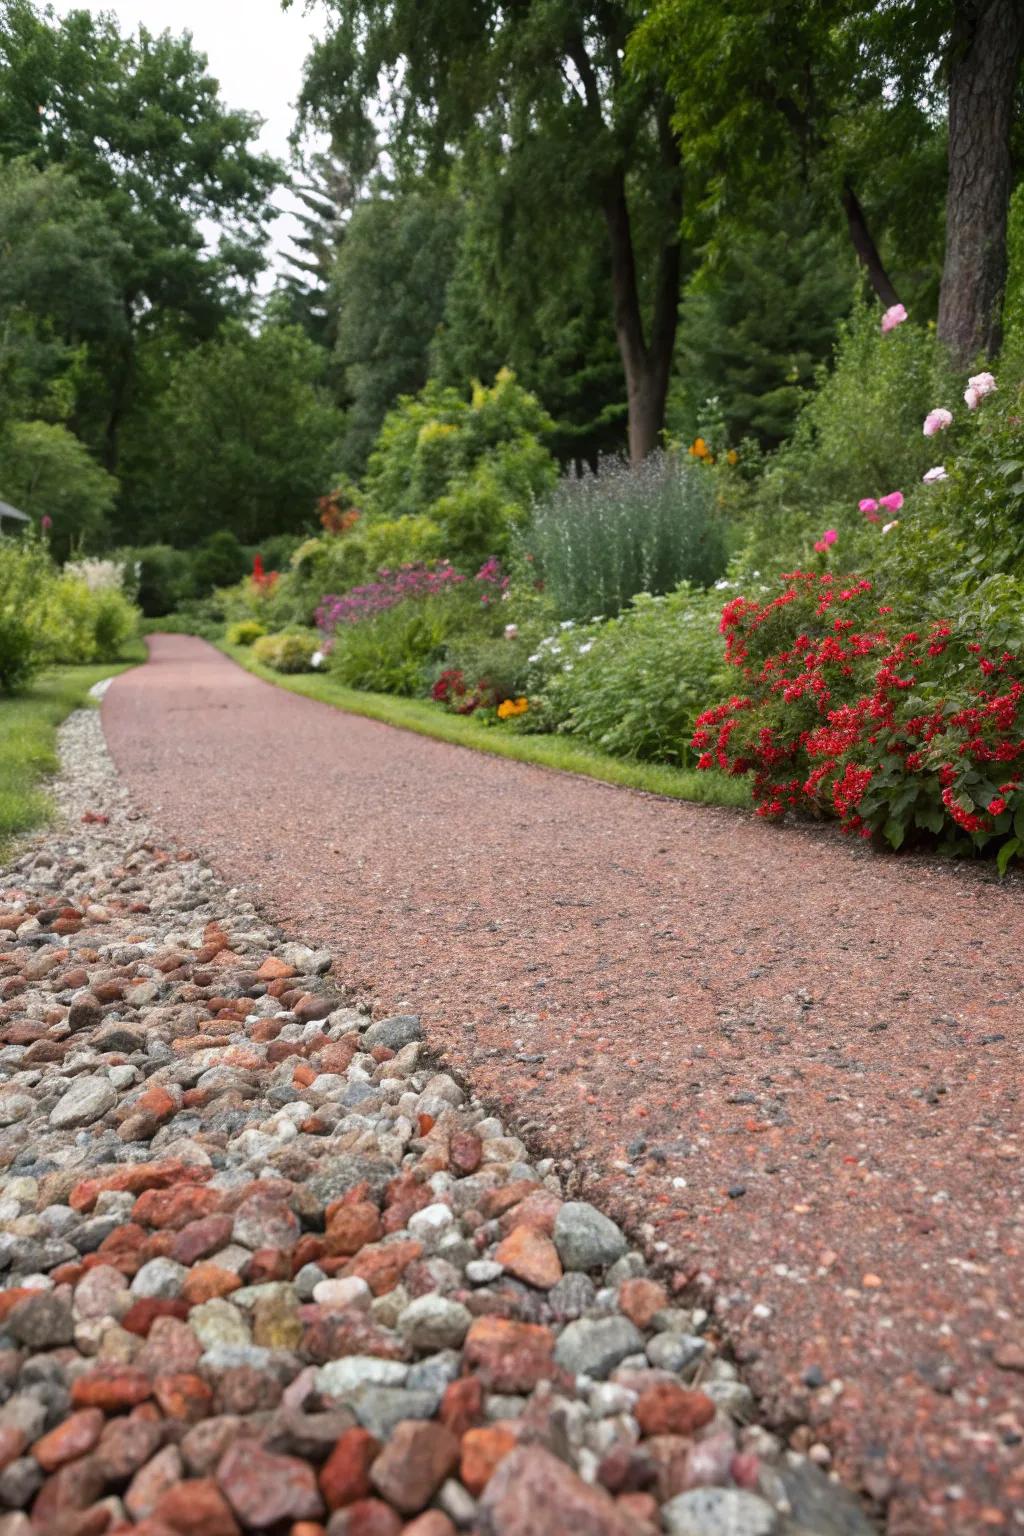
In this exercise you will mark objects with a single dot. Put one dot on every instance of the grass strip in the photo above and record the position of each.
(558, 752)
(28, 739)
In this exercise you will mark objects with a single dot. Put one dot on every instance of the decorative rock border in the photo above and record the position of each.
(266, 1268)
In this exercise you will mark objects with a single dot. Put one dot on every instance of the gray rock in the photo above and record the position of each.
(20, 1481)
(435, 1373)
(818, 1504)
(160, 1277)
(433, 1322)
(335, 1176)
(339, 1378)
(595, 1346)
(85, 1012)
(718, 1512)
(379, 1409)
(41, 1322)
(401, 1030)
(586, 1238)
(14, 1107)
(674, 1351)
(572, 1296)
(85, 1101)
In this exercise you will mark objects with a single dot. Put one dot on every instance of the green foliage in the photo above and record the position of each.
(65, 620)
(47, 472)
(389, 286)
(473, 467)
(291, 651)
(219, 560)
(19, 657)
(244, 632)
(602, 538)
(399, 650)
(246, 436)
(859, 435)
(634, 686)
(164, 577)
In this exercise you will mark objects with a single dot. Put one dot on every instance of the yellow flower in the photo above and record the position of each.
(699, 449)
(732, 457)
(509, 707)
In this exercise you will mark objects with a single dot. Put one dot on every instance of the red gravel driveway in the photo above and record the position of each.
(793, 1064)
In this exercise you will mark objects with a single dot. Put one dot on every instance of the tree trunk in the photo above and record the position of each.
(647, 366)
(865, 247)
(985, 54)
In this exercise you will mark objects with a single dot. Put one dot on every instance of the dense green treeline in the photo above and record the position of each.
(658, 216)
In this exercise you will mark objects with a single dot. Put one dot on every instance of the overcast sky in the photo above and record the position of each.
(255, 50)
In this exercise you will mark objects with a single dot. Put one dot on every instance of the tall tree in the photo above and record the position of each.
(140, 124)
(326, 194)
(548, 78)
(986, 44)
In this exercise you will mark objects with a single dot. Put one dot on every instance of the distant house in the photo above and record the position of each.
(12, 515)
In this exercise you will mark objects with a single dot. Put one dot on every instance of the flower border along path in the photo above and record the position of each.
(266, 1269)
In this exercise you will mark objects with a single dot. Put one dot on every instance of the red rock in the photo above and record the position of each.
(329, 1334)
(531, 1256)
(156, 1101)
(111, 1387)
(310, 1007)
(462, 1405)
(274, 969)
(77, 1435)
(205, 1281)
(303, 1075)
(537, 1211)
(270, 1264)
(641, 1508)
(10, 1299)
(263, 1489)
(414, 1463)
(495, 1202)
(433, 1522)
(510, 1356)
(532, 1493)
(125, 1446)
(383, 1265)
(669, 1457)
(152, 1481)
(627, 1468)
(367, 1517)
(482, 1450)
(73, 1487)
(134, 1179)
(336, 1056)
(351, 1228)
(202, 1237)
(668, 1409)
(12, 1443)
(641, 1300)
(205, 1444)
(197, 1507)
(142, 1314)
(183, 1396)
(345, 1475)
(242, 1389)
(175, 1208)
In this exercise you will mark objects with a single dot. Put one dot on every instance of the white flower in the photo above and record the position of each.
(566, 624)
(938, 473)
(535, 657)
(511, 631)
(585, 648)
(720, 586)
(317, 659)
(598, 618)
(888, 527)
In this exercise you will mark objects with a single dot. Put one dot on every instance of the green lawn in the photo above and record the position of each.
(28, 734)
(560, 752)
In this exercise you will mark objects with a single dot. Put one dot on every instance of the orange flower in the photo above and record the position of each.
(699, 449)
(510, 707)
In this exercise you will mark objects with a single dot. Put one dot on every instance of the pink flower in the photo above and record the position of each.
(937, 421)
(46, 522)
(829, 536)
(978, 386)
(868, 505)
(932, 475)
(893, 502)
(894, 316)
(872, 517)
(820, 546)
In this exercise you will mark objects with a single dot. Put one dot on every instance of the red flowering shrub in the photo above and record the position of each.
(904, 735)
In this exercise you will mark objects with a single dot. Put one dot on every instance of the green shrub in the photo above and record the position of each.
(291, 651)
(66, 620)
(635, 685)
(244, 632)
(218, 561)
(164, 578)
(398, 650)
(602, 538)
(18, 655)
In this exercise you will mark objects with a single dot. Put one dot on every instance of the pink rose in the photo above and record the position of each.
(894, 316)
(937, 421)
(978, 386)
(830, 536)
(892, 502)
(869, 504)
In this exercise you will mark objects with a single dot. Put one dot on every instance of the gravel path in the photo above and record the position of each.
(794, 1068)
(265, 1269)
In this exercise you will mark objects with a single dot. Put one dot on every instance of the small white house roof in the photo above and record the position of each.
(6, 510)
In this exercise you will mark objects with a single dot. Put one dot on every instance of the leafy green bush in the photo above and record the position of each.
(291, 651)
(398, 650)
(164, 578)
(18, 655)
(634, 686)
(218, 561)
(244, 632)
(472, 466)
(65, 619)
(602, 538)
